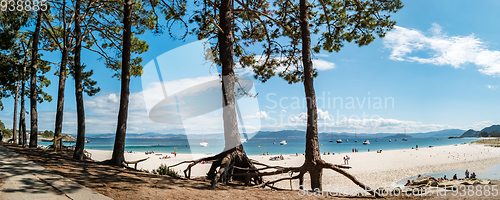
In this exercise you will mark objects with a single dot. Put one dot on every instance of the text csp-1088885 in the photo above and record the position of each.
(23, 5)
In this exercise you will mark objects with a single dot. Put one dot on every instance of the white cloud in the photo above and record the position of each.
(443, 49)
(321, 55)
(260, 115)
(302, 117)
(492, 87)
(322, 65)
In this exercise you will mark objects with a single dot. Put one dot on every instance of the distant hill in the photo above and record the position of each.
(398, 136)
(439, 134)
(279, 134)
(471, 133)
(491, 131)
(285, 134)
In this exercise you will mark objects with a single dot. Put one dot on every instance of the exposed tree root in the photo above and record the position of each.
(224, 166)
(234, 164)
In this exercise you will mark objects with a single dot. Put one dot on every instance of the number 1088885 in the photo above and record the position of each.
(23, 5)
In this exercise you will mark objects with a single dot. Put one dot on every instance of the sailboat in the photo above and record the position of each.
(366, 142)
(203, 143)
(404, 139)
(355, 136)
(331, 140)
(339, 141)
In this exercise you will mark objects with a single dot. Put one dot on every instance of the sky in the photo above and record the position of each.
(437, 69)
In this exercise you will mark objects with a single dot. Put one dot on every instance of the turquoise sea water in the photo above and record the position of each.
(259, 146)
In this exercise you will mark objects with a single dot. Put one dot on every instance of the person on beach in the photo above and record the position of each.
(347, 159)
(473, 175)
(466, 173)
(455, 177)
(444, 178)
(175, 153)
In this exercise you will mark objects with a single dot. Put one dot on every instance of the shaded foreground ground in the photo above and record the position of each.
(119, 183)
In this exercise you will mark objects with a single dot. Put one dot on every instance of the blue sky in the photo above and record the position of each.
(437, 69)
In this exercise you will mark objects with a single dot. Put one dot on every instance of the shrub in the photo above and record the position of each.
(164, 170)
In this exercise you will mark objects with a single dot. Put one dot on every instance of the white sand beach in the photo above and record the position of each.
(372, 168)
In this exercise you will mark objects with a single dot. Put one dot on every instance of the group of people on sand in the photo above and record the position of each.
(473, 175)
(276, 158)
(455, 177)
(467, 173)
(149, 152)
(346, 160)
(167, 156)
(324, 153)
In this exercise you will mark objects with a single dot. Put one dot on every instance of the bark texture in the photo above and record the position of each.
(14, 126)
(33, 87)
(80, 109)
(312, 157)
(231, 132)
(22, 113)
(121, 130)
(62, 86)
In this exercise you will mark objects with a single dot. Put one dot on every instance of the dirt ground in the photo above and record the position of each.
(122, 183)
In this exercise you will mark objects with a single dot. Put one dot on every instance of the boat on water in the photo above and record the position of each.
(404, 138)
(243, 140)
(347, 140)
(339, 141)
(355, 136)
(330, 140)
(390, 140)
(283, 142)
(204, 144)
(366, 142)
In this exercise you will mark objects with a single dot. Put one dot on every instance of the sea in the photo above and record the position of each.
(258, 146)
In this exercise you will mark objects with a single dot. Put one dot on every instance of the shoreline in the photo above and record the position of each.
(371, 168)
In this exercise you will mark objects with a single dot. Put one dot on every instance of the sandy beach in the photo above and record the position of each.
(372, 168)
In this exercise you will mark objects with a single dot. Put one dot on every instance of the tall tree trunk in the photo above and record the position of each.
(22, 113)
(33, 88)
(231, 132)
(312, 158)
(14, 126)
(62, 85)
(60, 100)
(121, 129)
(80, 139)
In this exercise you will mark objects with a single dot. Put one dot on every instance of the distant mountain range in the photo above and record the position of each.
(287, 134)
(487, 130)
